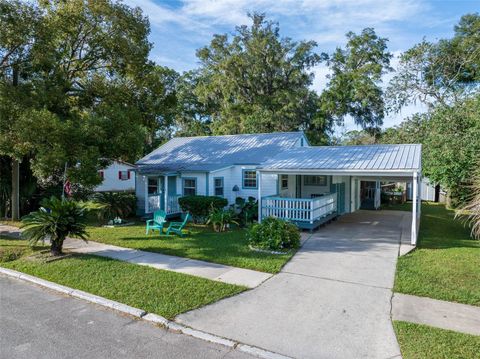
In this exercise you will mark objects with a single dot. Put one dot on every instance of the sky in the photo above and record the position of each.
(180, 27)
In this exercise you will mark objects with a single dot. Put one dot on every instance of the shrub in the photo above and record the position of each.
(274, 234)
(56, 220)
(247, 210)
(115, 204)
(200, 206)
(220, 219)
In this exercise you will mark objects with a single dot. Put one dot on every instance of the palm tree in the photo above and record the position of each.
(56, 220)
(472, 209)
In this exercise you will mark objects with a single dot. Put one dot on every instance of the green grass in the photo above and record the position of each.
(9, 222)
(229, 248)
(407, 206)
(421, 341)
(11, 249)
(446, 263)
(156, 291)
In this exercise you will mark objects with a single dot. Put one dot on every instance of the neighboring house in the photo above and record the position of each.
(118, 177)
(308, 185)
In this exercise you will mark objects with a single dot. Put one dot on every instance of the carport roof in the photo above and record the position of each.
(402, 157)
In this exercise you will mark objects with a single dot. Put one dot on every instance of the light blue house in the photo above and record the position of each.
(308, 185)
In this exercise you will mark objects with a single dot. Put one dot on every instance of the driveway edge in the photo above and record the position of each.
(141, 314)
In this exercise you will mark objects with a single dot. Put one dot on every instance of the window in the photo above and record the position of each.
(101, 174)
(189, 186)
(218, 186)
(284, 181)
(152, 186)
(315, 180)
(123, 175)
(249, 179)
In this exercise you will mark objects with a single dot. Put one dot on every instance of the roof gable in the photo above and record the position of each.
(212, 152)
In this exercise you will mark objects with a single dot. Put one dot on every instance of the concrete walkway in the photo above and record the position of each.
(218, 272)
(332, 300)
(436, 313)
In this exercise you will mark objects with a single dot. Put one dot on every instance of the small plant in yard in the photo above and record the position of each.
(274, 234)
(200, 206)
(220, 219)
(56, 220)
(247, 209)
(115, 204)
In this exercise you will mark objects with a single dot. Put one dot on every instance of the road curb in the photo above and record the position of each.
(139, 313)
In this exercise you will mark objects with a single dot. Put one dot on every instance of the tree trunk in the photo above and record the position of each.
(15, 169)
(15, 189)
(56, 247)
(448, 200)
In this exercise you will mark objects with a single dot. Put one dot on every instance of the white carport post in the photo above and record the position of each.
(259, 194)
(165, 195)
(413, 239)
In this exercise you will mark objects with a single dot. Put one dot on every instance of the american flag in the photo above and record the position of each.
(68, 188)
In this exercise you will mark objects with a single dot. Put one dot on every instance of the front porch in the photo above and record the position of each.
(306, 213)
(160, 193)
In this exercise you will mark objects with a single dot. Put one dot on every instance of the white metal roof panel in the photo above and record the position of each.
(355, 158)
(212, 152)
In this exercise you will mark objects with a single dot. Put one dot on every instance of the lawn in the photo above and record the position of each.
(9, 222)
(421, 341)
(446, 263)
(156, 291)
(229, 248)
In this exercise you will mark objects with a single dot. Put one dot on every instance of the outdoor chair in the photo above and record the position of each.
(176, 227)
(158, 221)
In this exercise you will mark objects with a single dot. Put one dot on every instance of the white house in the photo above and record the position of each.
(308, 185)
(118, 177)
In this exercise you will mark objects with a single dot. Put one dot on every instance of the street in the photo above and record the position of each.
(36, 323)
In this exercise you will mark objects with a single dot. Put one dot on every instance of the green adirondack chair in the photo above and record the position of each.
(158, 221)
(176, 227)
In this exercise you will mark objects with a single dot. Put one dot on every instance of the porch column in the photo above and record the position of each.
(165, 181)
(259, 194)
(145, 178)
(413, 239)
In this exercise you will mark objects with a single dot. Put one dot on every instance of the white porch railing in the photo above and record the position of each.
(172, 204)
(299, 209)
(154, 203)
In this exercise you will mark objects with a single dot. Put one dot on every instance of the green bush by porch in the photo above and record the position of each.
(446, 263)
(156, 291)
(230, 248)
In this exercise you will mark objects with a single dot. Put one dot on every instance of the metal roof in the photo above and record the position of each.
(349, 158)
(209, 153)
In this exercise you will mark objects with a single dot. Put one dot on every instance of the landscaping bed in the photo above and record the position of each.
(421, 341)
(446, 263)
(200, 242)
(156, 291)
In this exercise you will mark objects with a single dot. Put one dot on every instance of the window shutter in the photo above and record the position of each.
(102, 176)
(128, 174)
(119, 175)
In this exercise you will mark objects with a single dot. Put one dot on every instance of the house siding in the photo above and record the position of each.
(111, 182)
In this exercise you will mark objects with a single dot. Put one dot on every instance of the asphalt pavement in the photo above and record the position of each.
(38, 323)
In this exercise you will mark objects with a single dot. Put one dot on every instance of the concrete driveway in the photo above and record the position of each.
(332, 300)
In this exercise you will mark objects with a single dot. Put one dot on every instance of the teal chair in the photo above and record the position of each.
(176, 227)
(158, 221)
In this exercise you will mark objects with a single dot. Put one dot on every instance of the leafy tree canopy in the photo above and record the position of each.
(76, 86)
(257, 81)
(441, 72)
(354, 87)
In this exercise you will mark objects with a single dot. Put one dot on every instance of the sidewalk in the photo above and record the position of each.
(436, 313)
(218, 272)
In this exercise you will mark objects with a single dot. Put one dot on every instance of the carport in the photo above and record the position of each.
(316, 184)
